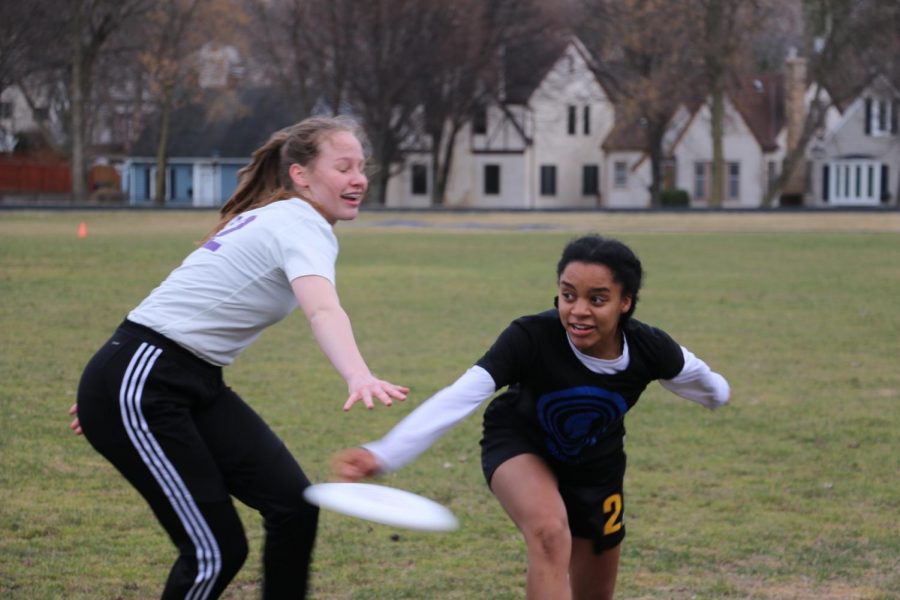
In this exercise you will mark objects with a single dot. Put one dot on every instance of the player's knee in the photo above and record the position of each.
(221, 554)
(549, 536)
(234, 553)
(300, 520)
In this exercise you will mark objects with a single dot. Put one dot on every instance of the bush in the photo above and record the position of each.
(674, 198)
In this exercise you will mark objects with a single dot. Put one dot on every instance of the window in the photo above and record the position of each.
(41, 113)
(6, 110)
(587, 120)
(548, 180)
(479, 120)
(149, 175)
(419, 179)
(573, 115)
(853, 181)
(491, 180)
(701, 180)
(620, 174)
(734, 181)
(880, 117)
(590, 180)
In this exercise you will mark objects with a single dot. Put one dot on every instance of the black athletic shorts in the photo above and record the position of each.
(593, 492)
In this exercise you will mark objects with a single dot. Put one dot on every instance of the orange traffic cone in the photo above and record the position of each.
(82, 230)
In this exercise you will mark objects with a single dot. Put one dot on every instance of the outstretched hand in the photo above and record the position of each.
(354, 464)
(75, 425)
(369, 387)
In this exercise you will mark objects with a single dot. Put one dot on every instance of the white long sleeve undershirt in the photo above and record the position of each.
(434, 417)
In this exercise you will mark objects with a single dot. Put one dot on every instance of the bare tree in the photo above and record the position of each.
(728, 27)
(455, 83)
(14, 41)
(387, 46)
(92, 24)
(647, 60)
(168, 71)
(36, 61)
(467, 68)
(289, 38)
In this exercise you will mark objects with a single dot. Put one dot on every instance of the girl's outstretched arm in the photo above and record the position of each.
(332, 330)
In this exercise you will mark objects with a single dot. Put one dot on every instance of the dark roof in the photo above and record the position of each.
(233, 129)
(626, 135)
(760, 100)
(526, 65)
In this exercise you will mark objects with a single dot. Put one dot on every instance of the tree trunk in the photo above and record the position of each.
(715, 67)
(655, 175)
(717, 116)
(443, 173)
(159, 196)
(654, 135)
(79, 73)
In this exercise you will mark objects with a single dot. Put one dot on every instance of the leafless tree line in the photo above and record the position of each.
(407, 67)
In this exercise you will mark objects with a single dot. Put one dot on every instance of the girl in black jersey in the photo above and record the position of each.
(552, 449)
(153, 400)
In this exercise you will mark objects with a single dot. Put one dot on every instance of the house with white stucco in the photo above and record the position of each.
(855, 159)
(537, 147)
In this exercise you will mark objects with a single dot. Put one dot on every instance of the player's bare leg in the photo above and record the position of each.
(593, 576)
(527, 490)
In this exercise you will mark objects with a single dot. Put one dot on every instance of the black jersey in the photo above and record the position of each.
(578, 414)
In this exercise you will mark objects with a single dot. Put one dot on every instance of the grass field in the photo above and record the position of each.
(792, 491)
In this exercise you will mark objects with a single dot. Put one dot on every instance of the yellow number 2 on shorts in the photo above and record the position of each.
(612, 506)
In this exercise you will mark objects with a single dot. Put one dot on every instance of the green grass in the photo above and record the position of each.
(792, 491)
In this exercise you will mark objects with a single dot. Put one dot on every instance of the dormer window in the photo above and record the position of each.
(881, 117)
(479, 120)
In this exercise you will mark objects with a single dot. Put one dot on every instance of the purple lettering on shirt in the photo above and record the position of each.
(235, 224)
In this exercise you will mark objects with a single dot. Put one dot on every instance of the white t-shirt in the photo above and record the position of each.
(229, 290)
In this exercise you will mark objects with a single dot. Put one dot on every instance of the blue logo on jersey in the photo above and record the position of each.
(576, 417)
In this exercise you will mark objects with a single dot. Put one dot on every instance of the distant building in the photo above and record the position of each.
(855, 160)
(535, 148)
(559, 142)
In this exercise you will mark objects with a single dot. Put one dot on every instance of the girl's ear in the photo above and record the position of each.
(626, 304)
(298, 175)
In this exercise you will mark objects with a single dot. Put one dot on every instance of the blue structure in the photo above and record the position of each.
(189, 181)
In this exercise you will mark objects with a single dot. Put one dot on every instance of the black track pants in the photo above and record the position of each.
(188, 443)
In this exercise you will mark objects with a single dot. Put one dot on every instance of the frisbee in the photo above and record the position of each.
(382, 504)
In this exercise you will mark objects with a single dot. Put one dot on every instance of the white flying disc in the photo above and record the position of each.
(382, 504)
